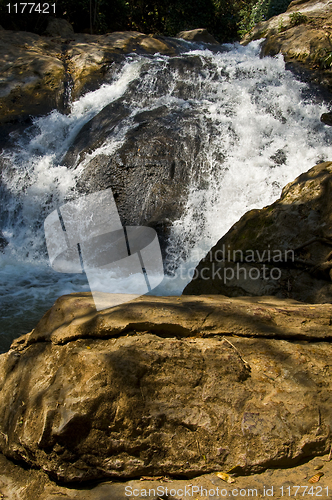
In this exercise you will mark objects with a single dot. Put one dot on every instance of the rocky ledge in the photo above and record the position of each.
(177, 385)
(302, 34)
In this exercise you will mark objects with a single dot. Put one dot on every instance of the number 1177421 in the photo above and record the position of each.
(29, 8)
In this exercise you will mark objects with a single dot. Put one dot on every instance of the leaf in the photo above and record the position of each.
(225, 477)
(316, 477)
(151, 478)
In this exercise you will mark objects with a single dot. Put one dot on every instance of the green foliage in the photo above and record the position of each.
(225, 19)
(324, 59)
(327, 61)
(297, 18)
(281, 26)
(260, 10)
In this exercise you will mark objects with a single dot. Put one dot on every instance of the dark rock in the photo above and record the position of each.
(197, 35)
(155, 387)
(282, 250)
(326, 118)
(148, 174)
(59, 27)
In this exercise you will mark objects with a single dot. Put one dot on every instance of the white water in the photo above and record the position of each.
(260, 129)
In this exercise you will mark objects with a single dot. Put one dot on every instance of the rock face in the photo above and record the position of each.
(36, 70)
(181, 386)
(283, 249)
(150, 173)
(17, 483)
(301, 34)
(32, 75)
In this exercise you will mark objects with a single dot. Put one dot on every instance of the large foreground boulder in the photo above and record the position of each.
(177, 385)
(283, 249)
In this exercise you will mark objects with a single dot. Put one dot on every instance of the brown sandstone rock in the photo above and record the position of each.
(291, 238)
(197, 35)
(17, 483)
(32, 75)
(154, 387)
(34, 68)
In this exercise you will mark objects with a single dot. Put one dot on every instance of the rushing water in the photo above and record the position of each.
(260, 129)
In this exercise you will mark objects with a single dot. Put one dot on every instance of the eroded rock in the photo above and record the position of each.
(32, 75)
(17, 483)
(283, 249)
(159, 386)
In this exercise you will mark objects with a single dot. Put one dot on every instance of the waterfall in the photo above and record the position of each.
(259, 129)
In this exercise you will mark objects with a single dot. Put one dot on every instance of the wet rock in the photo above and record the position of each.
(149, 173)
(159, 153)
(282, 250)
(59, 27)
(162, 386)
(197, 35)
(326, 118)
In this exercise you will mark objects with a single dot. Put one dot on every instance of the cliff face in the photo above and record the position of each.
(302, 34)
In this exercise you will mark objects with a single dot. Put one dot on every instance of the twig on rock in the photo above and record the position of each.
(238, 352)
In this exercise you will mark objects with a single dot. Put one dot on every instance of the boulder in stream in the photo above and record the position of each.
(197, 35)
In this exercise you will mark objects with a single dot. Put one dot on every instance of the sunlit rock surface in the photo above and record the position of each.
(177, 385)
(37, 72)
(197, 35)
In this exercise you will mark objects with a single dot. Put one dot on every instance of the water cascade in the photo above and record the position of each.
(259, 129)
